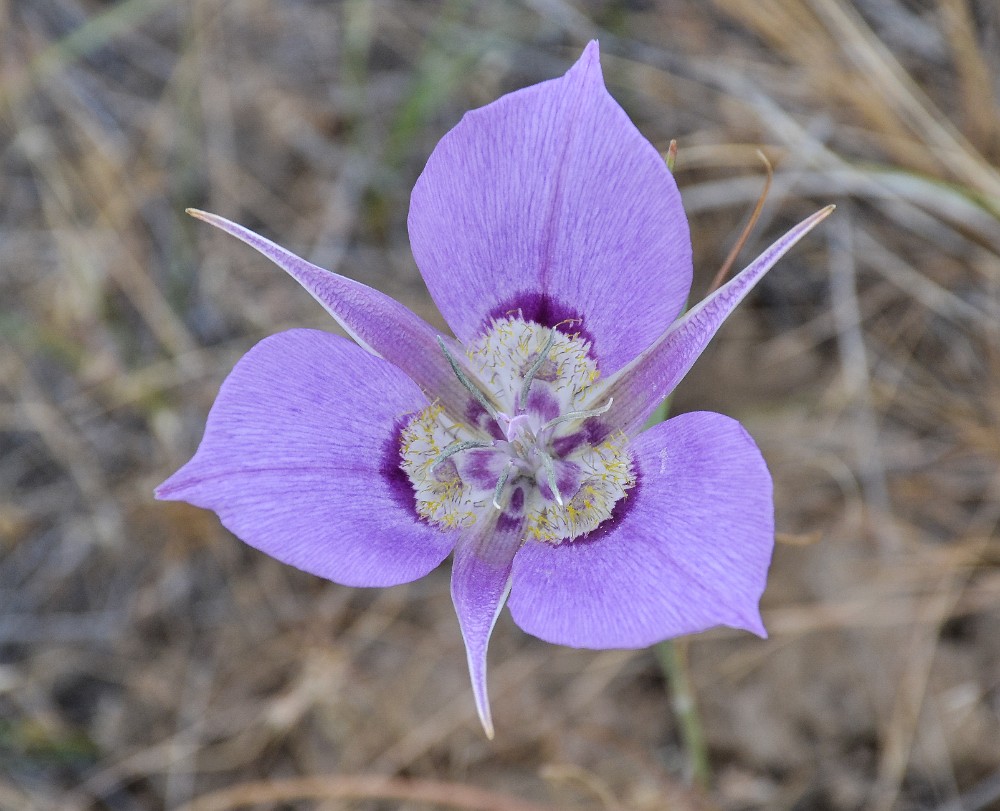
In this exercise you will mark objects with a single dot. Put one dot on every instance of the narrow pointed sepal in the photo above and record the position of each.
(642, 385)
(379, 323)
(480, 583)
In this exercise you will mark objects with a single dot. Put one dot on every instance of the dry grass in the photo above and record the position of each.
(148, 660)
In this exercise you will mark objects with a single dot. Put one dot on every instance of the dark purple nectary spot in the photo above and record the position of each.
(592, 433)
(542, 309)
(565, 445)
(596, 431)
(391, 469)
(508, 523)
(618, 513)
(569, 479)
(481, 469)
(476, 415)
(542, 403)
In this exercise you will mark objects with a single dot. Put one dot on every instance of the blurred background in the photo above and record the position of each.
(149, 660)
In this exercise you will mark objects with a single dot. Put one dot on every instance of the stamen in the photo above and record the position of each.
(550, 477)
(502, 482)
(542, 357)
(458, 447)
(464, 380)
(576, 415)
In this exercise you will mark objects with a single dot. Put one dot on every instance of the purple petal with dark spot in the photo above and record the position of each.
(691, 551)
(300, 459)
(550, 199)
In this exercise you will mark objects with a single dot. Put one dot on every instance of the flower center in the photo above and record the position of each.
(528, 445)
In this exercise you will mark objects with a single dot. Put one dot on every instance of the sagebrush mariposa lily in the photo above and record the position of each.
(551, 236)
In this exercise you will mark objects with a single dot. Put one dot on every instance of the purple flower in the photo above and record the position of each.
(552, 238)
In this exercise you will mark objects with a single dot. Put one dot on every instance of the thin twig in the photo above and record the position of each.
(720, 277)
(344, 787)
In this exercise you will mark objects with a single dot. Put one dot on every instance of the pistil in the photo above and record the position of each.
(568, 482)
(528, 451)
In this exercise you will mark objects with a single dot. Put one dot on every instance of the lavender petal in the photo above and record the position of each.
(550, 201)
(691, 551)
(300, 459)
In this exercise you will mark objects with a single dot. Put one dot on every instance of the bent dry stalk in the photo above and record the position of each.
(552, 238)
